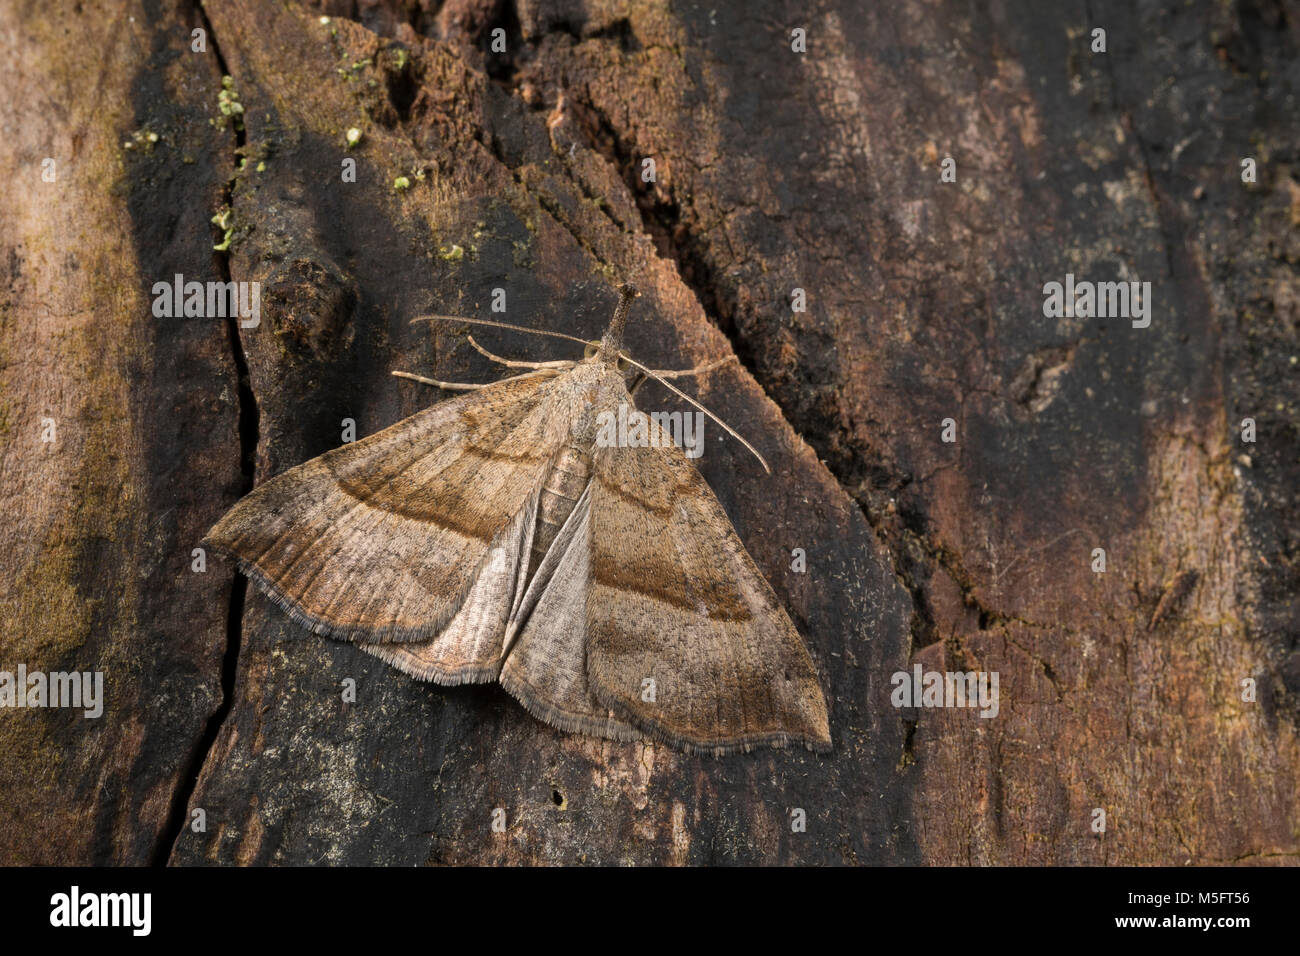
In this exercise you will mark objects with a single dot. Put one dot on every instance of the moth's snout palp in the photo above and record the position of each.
(612, 342)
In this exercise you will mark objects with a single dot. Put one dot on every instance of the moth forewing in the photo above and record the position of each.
(382, 540)
(728, 668)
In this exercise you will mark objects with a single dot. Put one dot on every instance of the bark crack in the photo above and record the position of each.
(248, 438)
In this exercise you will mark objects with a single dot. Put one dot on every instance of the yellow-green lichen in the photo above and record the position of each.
(228, 104)
(522, 253)
(222, 220)
(142, 140)
(349, 70)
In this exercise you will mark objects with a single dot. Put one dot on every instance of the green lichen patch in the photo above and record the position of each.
(349, 68)
(224, 220)
(228, 105)
(395, 59)
(142, 140)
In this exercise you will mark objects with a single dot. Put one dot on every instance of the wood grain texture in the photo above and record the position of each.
(99, 524)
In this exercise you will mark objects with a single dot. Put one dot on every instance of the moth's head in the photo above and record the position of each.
(630, 374)
(612, 342)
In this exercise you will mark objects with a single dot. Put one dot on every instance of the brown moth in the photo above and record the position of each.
(489, 537)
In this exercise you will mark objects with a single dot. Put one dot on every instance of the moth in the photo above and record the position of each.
(491, 537)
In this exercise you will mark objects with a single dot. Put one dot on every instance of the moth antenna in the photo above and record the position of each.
(676, 391)
(631, 361)
(514, 363)
(502, 325)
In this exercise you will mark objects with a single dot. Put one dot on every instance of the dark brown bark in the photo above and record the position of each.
(774, 171)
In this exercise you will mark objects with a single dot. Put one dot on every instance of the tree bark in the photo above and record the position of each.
(779, 177)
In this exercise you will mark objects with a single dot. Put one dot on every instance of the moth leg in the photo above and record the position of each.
(698, 370)
(450, 386)
(513, 363)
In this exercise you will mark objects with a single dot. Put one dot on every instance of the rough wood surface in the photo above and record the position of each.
(775, 171)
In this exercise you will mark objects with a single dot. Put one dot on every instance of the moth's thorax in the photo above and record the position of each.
(594, 388)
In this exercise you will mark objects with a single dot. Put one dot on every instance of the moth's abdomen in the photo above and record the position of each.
(560, 492)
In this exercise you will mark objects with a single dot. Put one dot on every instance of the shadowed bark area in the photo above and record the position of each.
(778, 175)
